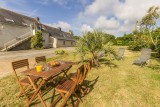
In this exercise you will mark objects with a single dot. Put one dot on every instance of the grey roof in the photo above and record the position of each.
(8, 16)
(57, 33)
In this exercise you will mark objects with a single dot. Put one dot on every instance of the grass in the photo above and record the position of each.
(126, 85)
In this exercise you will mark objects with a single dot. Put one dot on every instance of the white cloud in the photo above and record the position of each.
(110, 31)
(113, 15)
(64, 25)
(100, 7)
(103, 23)
(85, 28)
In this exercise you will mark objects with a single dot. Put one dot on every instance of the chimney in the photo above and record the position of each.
(37, 19)
(70, 32)
(59, 28)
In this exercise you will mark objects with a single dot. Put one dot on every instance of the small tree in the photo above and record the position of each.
(37, 41)
(148, 25)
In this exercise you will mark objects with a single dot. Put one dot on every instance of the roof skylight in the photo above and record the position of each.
(9, 20)
(24, 23)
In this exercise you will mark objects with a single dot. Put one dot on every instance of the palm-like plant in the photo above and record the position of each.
(93, 43)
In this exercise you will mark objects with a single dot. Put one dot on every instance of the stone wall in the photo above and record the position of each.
(23, 46)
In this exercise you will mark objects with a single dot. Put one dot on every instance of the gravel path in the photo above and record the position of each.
(7, 57)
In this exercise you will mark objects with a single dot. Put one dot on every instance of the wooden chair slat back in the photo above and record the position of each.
(79, 74)
(17, 65)
(87, 68)
(20, 64)
(78, 78)
(40, 59)
(84, 72)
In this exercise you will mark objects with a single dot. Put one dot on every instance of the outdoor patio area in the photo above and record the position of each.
(121, 85)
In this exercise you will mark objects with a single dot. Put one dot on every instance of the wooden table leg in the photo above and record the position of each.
(36, 92)
(65, 74)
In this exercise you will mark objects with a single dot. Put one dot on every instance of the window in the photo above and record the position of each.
(63, 42)
(38, 27)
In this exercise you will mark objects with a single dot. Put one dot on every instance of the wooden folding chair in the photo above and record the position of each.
(87, 68)
(84, 72)
(68, 88)
(24, 83)
(40, 59)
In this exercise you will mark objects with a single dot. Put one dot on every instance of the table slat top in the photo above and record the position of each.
(48, 74)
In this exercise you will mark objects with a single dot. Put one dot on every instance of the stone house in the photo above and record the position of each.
(16, 31)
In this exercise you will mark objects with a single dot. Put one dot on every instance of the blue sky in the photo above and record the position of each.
(111, 16)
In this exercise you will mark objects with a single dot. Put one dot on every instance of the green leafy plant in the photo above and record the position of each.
(137, 45)
(37, 41)
(93, 43)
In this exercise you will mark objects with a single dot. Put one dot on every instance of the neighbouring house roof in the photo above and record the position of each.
(57, 33)
(7, 16)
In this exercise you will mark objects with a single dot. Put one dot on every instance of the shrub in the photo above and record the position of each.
(37, 41)
(137, 46)
(158, 52)
(60, 52)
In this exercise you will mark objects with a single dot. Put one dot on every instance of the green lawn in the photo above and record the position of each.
(126, 85)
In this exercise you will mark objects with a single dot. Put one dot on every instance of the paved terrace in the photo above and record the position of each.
(7, 57)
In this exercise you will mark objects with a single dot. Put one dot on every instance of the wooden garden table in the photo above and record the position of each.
(45, 75)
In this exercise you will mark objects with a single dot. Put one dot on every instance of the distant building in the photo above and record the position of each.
(16, 31)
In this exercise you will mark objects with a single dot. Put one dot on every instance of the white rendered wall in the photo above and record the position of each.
(65, 43)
